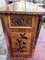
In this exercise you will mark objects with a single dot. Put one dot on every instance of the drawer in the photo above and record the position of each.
(20, 21)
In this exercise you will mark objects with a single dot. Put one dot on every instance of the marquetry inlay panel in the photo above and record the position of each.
(21, 43)
(20, 21)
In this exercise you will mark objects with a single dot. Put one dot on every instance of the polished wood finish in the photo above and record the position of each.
(21, 31)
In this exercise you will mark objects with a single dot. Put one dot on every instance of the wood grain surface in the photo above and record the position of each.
(21, 40)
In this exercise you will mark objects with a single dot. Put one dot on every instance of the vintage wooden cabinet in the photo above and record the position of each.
(21, 29)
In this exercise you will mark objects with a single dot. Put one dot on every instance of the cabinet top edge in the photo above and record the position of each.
(17, 12)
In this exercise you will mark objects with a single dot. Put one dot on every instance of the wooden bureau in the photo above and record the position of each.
(21, 30)
(21, 22)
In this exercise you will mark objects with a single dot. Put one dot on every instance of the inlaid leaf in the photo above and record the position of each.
(24, 47)
(23, 43)
(23, 36)
(19, 40)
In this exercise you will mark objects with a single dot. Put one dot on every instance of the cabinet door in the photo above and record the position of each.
(21, 29)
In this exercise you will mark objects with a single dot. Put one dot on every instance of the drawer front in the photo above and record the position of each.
(20, 21)
(20, 44)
